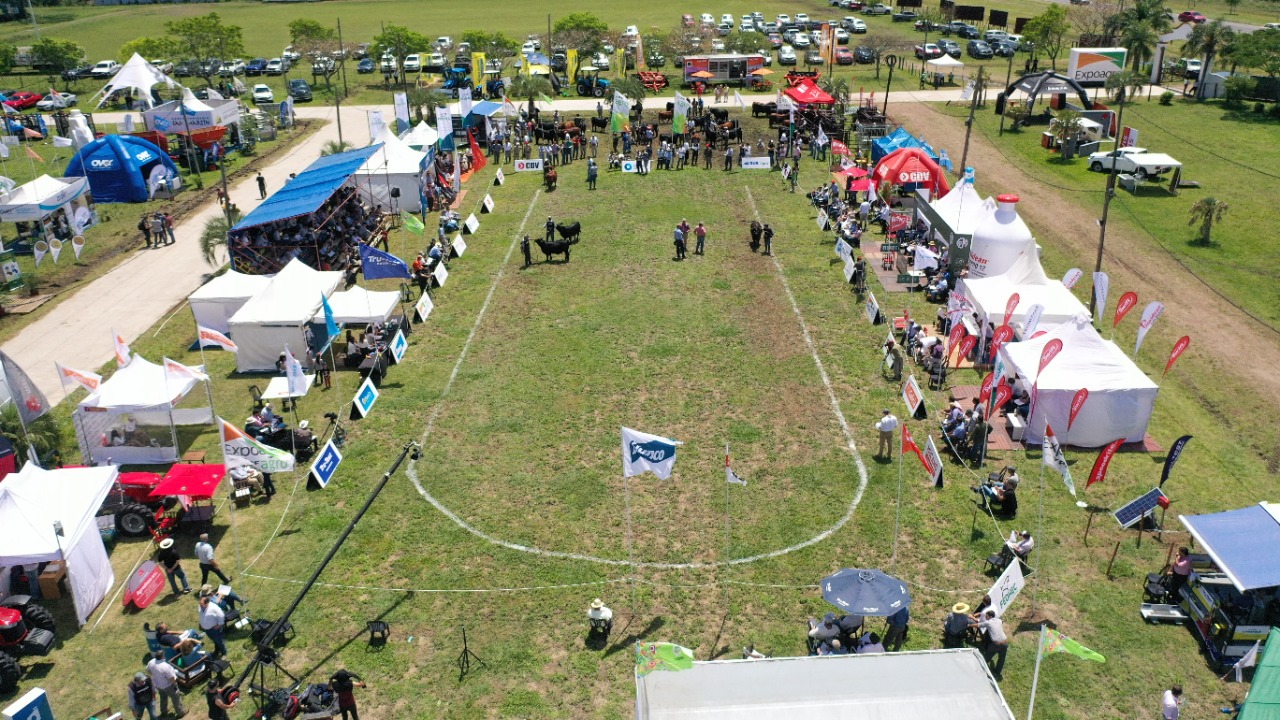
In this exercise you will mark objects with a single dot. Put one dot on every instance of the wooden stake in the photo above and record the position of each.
(1086, 530)
(1113, 560)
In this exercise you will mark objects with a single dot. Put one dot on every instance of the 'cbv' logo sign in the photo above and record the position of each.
(654, 451)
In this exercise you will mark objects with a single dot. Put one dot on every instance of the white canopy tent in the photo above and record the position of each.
(216, 301)
(953, 217)
(421, 137)
(359, 306)
(137, 74)
(32, 500)
(44, 196)
(1121, 396)
(944, 62)
(279, 315)
(1026, 277)
(951, 684)
(131, 418)
(397, 166)
(192, 113)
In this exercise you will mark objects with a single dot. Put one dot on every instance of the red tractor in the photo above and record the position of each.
(150, 504)
(25, 629)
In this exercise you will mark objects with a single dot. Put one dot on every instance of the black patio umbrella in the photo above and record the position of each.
(865, 592)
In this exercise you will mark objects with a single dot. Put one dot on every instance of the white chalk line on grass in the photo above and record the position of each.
(826, 381)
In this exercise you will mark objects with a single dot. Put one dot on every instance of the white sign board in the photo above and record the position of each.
(872, 308)
(487, 204)
(755, 163)
(441, 273)
(472, 224)
(1007, 587)
(1092, 66)
(424, 307)
(933, 461)
(499, 178)
(398, 347)
(529, 165)
(629, 166)
(911, 395)
(458, 245)
(821, 220)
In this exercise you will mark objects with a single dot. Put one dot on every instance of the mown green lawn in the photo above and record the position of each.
(523, 447)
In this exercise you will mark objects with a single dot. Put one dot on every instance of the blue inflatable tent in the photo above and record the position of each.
(122, 168)
(897, 140)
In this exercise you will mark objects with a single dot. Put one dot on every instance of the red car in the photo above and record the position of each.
(844, 56)
(23, 100)
(687, 20)
(1191, 16)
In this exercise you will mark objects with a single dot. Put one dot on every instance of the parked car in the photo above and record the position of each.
(842, 36)
(717, 45)
(104, 69)
(57, 101)
(1134, 160)
(656, 60)
(980, 49)
(877, 9)
(323, 66)
(687, 20)
(361, 52)
(950, 47)
(435, 63)
(844, 56)
(786, 56)
(299, 90)
(707, 19)
(76, 73)
(444, 42)
(995, 35)
(968, 32)
(926, 26)
(388, 63)
(905, 16)
(290, 54)
(162, 65)
(1191, 16)
(256, 66)
(724, 29)
(864, 55)
(366, 66)
(813, 57)
(928, 51)
(800, 41)
(413, 63)
(275, 66)
(231, 68)
(1190, 68)
(262, 94)
(600, 61)
(775, 40)
(22, 100)
(857, 26)
(783, 19)
(1004, 48)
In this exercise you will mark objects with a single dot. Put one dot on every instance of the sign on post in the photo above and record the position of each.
(326, 463)
(423, 307)
(398, 347)
(1007, 587)
(366, 396)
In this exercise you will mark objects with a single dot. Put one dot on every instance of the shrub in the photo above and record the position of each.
(1235, 89)
(1166, 97)
(1275, 111)
(1259, 108)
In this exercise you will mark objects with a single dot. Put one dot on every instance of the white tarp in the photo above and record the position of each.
(191, 113)
(359, 306)
(944, 61)
(1026, 277)
(32, 500)
(278, 315)
(421, 136)
(137, 74)
(951, 684)
(216, 301)
(40, 197)
(1121, 396)
(394, 165)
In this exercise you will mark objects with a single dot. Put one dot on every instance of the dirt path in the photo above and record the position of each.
(1226, 343)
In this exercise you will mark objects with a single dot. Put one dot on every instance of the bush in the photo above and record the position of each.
(1259, 108)
(1274, 111)
(1166, 97)
(1235, 89)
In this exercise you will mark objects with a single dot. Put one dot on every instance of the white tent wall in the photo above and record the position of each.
(216, 301)
(90, 574)
(375, 189)
(1026, 277)
(359, 306)
(261, 345)
(395, 165)
(143, 391)
(93, 432)
(278, 315)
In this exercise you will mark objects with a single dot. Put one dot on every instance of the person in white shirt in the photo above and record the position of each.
(1021, 544)
(213, 620)
(204, 554)
(1171, 703)
(997, 641)
(600, 612)
(887, 425)
(165, 680)
(826, 630)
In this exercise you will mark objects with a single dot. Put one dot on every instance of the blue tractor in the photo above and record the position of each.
(589, 83)
(457, 78)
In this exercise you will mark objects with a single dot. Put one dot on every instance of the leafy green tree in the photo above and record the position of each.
(494, 45)
(205, 36)
(1207, 211)
(1139, 28)
(150, 48)
(1208, 40)
(399, 41)
(1048, 31)
(56, 55)
(1259, 50)
(44, 433)
(319, 44)
(8, 57)
(530, 88)
(305, 30)
(1128, 81)
(580, 21)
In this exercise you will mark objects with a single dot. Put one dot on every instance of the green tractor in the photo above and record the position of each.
(589, 83)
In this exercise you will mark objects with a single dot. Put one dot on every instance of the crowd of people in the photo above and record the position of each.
(327, 239)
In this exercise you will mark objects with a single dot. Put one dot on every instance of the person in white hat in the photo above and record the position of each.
(171, 562)
(599, 612)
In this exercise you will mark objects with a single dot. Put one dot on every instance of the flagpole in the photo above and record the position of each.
(1035, 678)
(208, 387)
(897, 513)
(1035, 592)
(631, 556)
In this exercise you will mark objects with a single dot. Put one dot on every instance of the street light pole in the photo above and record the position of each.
(968, 124)
(1106, 201)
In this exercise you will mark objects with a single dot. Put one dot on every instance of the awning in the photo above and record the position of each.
(308, 191)
(807, 92)
(486, 108)
(198, 482)
(1241, 543)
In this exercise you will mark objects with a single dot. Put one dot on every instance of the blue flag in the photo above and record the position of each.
(330, 326)
(378, 264)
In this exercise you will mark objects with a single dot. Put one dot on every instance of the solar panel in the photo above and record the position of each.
(1130, 514)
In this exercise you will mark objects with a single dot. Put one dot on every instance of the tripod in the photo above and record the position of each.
(465, 658)
(268, 700)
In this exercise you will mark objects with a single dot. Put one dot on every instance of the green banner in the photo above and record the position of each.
(662, 656)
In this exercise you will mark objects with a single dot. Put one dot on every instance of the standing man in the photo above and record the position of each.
(709, 148)
(213, 621)
(172, 565)
(728, 158)
(593, 172)
(887, 425)
(204, 553)
(601, 613)
(213, 696)
(1171, 703)
(343, 683)
(864, 211)
(551, 229)
(897, 632)
(679, 243)
(157, 229)
(767, 234)
(700, 232)
(524, 248)
(142, 696)
(165, 681)
(262, 186)
(168, 227)
(594, 144)
(998, 645)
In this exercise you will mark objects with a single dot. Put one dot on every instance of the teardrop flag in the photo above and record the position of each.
(1003, 394)
(1032, 320)
(1175, 452)
(1010, 306)
(957, 333)
(1101, 284)
(987, 382)
(1077, 403)
(1126, 303)
(1178, 348)
(1002, 335)
(1099, 472)
(966, 347)
(1072, 277)
(1050, 351)
(1150, 315)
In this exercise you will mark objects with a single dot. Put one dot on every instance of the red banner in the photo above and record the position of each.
(1010, 306)
(144, 585)
(1003, 394)
(1178, 348)
(957, 333)
(1077, 402)
(987, 382)
(1002, 335)
(1127, 302)
(1051, 350)
(1099, 472)
(899, 221)
(839, 148)
(966, 347)
(477, 155)
(909, 443)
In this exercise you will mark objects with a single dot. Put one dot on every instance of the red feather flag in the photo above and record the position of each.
(1003, 393)
(987, 382)
(957, 333)
(1178, 348)
(1010, 306)
(909, 443)
(477, 155)
(1127, 302)
(1099, 472)
(1002, 335)
(966, 347)
(1050, 351)
(1077, 403)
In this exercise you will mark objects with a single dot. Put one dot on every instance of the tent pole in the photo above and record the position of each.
(1035, 678)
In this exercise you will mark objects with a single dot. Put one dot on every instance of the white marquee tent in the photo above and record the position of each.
(1121, 396)
(990, 295)
(192, 113)
(279, 315)
(32, 500)
(394, 165)
(137, 74)
(216, 301)
(131, 418)
(44, 196)
(421, 137)
(927, 685)
(359, 306)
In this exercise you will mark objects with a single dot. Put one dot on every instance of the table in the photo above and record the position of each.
(278, 389)
(916, 277)
(194, 456)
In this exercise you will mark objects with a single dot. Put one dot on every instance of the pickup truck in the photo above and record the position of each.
(1133, 160)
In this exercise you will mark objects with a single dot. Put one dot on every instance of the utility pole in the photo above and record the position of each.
(337, 99)
(892, 62)
(342, 55)
(1106, 200)
(1008, 78)
(968, 124)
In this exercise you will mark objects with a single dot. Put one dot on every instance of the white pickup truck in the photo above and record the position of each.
(1133, 160)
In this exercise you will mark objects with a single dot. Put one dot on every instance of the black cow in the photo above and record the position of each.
(569, 233)
(599, 123)
(759, 109)
(555, 247)
(720, 114)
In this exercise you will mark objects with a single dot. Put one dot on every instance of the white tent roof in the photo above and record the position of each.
(40, 197)
(1027, 278)
(951, 684)
(138, 386)
(291, 298)
(421, 135)
(32, 500)
(138, 74)
(231, 285)
(963, 208)
(945, 61)
(395, 157)
(358, 305)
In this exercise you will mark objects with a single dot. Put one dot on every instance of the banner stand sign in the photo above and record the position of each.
(528, 165)
(1007, 587)
(499, 179)
(914, 399)
(755, 163)
(487, 205)
(365, 397)
(457, 246)
(441, 273)
(472, 224)
(873, 310)
(423, 308)
(326, 464)
(398, 347)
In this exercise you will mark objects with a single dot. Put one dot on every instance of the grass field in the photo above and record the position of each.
(524, 405)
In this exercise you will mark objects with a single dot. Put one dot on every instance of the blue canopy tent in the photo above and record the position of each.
(1236, 540)
(476, 119)
(897, 140)
(123, 168)
(303, 195)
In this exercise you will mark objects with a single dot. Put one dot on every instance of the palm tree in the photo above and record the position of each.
(424, 102)
(1127, 82)
(44, 433)
(838, 89)
(1140, 28)
(214, 236)
(1066, 129)
(1207, 211)
(333, 147)
(530, 87)
(1207, 40)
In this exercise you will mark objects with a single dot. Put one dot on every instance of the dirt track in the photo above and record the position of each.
(1222, 365)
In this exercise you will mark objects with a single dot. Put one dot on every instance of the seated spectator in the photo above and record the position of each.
(870, 643)
(181, 644)
(850, 625)
(826, 630)
(832, 647)
(955, 627)
(1020, 544)
(998, 484)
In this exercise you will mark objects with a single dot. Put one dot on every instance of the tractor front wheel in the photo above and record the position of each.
(10, 673)
(134, 520)
(38, 617)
